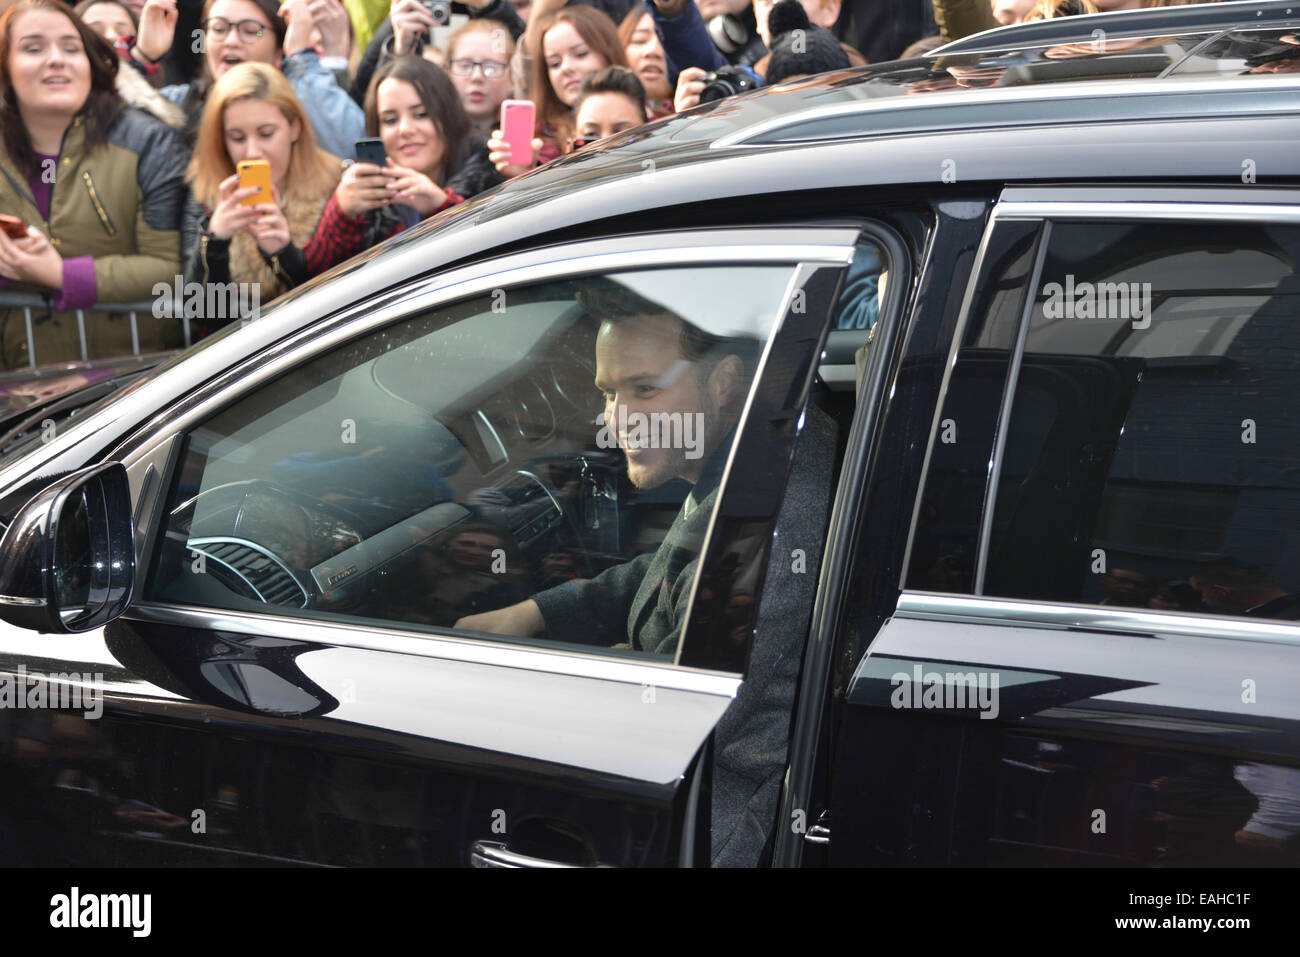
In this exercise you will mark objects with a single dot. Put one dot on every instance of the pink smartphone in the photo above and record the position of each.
(517, 124)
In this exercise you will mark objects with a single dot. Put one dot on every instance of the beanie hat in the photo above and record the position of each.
(798, 46)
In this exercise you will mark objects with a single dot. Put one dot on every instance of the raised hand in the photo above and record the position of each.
(31, 259)
(331, 18)
(690, 84)
(499, 154)
(157, 29)
(414, 189)
(411, 19)
(229, 216)
(270, 229)
(364, 187)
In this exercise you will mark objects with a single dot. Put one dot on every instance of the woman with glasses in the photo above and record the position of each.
(254, 31)
(98, 187)
(252, 114)
(116, 22)
(434, 163)
(479, 55)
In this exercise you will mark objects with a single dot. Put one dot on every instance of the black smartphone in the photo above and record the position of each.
(372, 151)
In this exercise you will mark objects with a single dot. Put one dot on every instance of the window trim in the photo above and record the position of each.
(1076, 616)
(1004, 413)
(905, 274)
(1045, 205)
(813, 246)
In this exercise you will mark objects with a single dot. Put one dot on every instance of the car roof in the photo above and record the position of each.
(1156, 105)
(1166, 130)
(1154, 21)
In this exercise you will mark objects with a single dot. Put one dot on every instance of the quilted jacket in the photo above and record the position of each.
(120, 205)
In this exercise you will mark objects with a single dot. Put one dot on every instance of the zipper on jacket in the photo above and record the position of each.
(99, 207)
(203, 255)
(280, 271)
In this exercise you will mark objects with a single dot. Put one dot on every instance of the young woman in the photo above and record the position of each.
(116, 22)
(100, 188)
(645, 55)
(252, 114)
(479, 55)
(611, 100)
(433, 163)
(574, 42)
(111, 19)
(241, 31)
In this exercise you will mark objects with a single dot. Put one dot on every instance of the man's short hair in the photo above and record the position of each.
(608, 301)
(1227, 575)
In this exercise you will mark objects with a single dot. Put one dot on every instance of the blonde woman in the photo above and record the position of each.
(252, 114)
(478, 61)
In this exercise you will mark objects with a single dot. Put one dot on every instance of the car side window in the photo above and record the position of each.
(522, 444)
(1152, 453)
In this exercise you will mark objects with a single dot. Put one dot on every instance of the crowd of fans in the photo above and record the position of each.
(124, 121)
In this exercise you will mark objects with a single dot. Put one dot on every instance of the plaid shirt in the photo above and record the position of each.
(339, 236)
(123, 47)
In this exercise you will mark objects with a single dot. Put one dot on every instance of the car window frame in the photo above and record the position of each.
(1044, 206)
(152, 455)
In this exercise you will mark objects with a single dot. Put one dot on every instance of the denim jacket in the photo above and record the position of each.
(335, 118)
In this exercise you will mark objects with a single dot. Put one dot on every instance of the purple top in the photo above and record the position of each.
(79, 285)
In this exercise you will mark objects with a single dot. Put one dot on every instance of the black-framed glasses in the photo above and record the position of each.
(491, 68)
(250, 30)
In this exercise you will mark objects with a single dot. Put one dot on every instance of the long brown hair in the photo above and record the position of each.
(102, 107)
(598, 32)
(311, 170)
(440, 99)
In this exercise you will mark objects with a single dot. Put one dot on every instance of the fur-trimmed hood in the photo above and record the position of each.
(135, 90)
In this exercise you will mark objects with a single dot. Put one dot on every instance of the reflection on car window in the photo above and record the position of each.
(1247, 52)
(505, 450)
(1152, 457)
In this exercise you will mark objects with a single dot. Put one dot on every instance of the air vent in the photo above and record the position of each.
(261, 571)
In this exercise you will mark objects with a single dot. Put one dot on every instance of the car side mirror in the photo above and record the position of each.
(67, 562)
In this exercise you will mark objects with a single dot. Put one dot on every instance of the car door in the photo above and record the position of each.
(1092, 652)
(290, 684)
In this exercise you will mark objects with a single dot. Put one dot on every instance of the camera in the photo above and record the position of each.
(728, 81)
(441, 10)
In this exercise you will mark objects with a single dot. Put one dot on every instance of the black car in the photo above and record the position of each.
(991, 393)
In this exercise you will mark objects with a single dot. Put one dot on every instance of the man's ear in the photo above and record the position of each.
(725, 381)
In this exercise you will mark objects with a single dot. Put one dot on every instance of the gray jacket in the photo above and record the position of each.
(644, 602)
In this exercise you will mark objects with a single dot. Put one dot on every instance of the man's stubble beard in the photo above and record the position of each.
(675, 462)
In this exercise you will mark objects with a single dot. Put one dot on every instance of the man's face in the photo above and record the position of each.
(473, 550)
(641, 371)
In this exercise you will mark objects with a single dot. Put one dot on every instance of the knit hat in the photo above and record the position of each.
(798, 46)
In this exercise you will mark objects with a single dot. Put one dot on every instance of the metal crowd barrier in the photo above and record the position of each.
(27, 301)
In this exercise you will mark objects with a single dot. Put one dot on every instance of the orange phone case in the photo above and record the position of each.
(14, 227)
(255, 173)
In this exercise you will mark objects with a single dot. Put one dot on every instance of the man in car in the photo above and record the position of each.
(648, 362)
